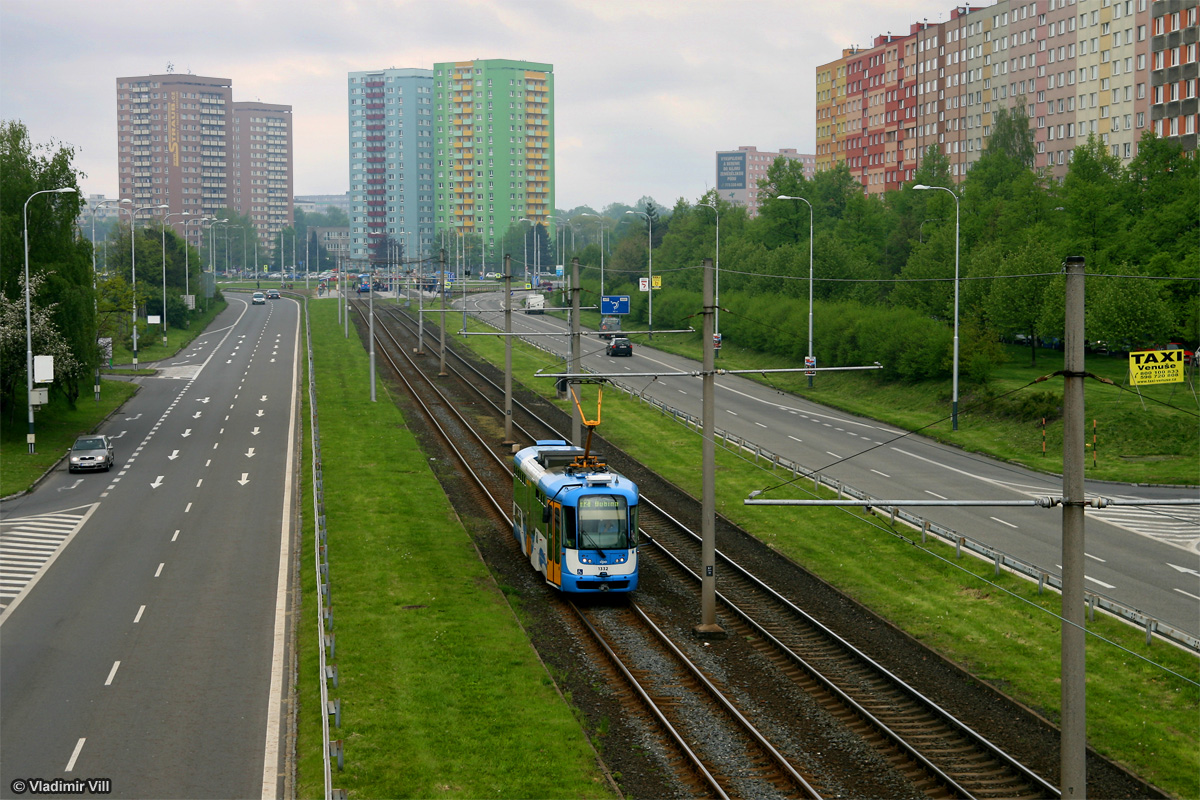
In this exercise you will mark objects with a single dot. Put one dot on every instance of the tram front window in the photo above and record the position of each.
(603, 523)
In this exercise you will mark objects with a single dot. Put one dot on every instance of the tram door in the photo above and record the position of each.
(554, 554)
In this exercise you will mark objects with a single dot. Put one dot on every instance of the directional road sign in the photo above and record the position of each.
(614, 304)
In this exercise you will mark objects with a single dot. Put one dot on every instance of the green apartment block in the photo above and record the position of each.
(493, 149)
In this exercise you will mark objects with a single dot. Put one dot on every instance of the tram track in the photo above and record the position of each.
(936, 755)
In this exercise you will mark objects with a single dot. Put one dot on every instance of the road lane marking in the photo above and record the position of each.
(1096, 558)
(113, 672)
(1188, 594)
(935, 494)
(187, 508)
(794, 439)
(158, 571)
(759, 424)
(1002, 522)
(75, 755)
(835, 455)
(176, 536)
(138, 618)
(884, 474)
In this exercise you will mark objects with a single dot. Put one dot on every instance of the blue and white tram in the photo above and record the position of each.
(575, 519)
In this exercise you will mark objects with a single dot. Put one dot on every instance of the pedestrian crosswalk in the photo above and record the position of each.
(1176, 525)
(29, 544)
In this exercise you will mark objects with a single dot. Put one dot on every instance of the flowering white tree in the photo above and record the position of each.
(47, 341)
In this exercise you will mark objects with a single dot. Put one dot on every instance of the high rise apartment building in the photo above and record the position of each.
(1080, 67)
(391, 164)
(260, 159)
(493, 147)
(739, 172)
(180, 142)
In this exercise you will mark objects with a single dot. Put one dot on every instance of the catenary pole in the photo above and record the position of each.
(1074, 695)
(576, 351)
(508, 439)
(442, 333)
(708, 627)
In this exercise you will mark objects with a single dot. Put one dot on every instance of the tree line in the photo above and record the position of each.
(884, 266)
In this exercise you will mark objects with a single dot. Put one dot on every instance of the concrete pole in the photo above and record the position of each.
(1074, 695)
(442, 334)
(708, 627)
(345, 298)
(371, 334)
(576, 351)
(508, 437)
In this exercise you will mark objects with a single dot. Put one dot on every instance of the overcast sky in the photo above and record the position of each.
(646, 91)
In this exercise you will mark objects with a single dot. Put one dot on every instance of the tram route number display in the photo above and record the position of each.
(1155, 366)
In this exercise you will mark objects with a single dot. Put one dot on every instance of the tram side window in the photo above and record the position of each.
(603, 523)
(569, 527)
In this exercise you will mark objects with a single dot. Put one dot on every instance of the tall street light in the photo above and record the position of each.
(527, 232)
(133, 212)
(810, 278)
(717, 271)
(954, 402)
(166, 219)
(187, 285)
(597, 216)
(650, 270)
(28, 318)
(95, 292)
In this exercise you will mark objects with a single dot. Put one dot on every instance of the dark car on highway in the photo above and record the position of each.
(272, 294)
(619, 346)
(91, 452)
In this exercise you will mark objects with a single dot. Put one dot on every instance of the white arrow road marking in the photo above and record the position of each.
(72, 486)
(186, 433)
(157, 482)
(245, 478)
(264, 398)
(131, 419)
(119, 435)
(260, 413)
(254, 432)
(272, 361)
(174, 455)
(196, 415)
(201, 399)
(250, 453)
(1188, 570)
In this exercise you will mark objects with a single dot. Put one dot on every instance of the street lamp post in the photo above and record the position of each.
(133, 212)
(527, 232)
(597, 216)
(717, 272)
(28, 317)
(166, 218)
(954, 401)
(650, 270)
(810, 277)
(95, 292)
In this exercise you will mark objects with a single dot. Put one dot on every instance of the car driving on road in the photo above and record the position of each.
(91, 452)
(258, 299)
(619, 346)
(272, 294)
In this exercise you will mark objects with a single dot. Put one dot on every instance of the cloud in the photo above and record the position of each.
(645, 93)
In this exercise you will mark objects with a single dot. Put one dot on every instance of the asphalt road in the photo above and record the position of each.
(147, 645)
(1146, 558)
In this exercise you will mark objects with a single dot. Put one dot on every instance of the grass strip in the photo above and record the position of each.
(56, 426)
(1000, 629)
(442, 696)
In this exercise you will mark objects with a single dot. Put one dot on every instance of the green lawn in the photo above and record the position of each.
(1143, 700)
(442, 696)
(56, 426)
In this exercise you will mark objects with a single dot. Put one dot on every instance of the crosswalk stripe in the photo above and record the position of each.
(28, 545)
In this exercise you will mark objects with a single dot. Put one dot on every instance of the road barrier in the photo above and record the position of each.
(325, 637)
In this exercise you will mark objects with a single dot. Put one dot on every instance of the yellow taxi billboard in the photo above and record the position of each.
(1155, 366)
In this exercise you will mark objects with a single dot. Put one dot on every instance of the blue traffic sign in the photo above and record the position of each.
(614, 304)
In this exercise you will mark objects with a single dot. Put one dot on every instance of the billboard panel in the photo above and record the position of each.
(731, 170)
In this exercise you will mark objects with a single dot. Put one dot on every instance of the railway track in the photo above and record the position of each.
(925, 747)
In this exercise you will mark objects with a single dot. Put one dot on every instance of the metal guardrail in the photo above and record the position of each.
(1002, 561)
(325, 637)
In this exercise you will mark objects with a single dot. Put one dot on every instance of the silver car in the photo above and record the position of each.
(91, 452)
